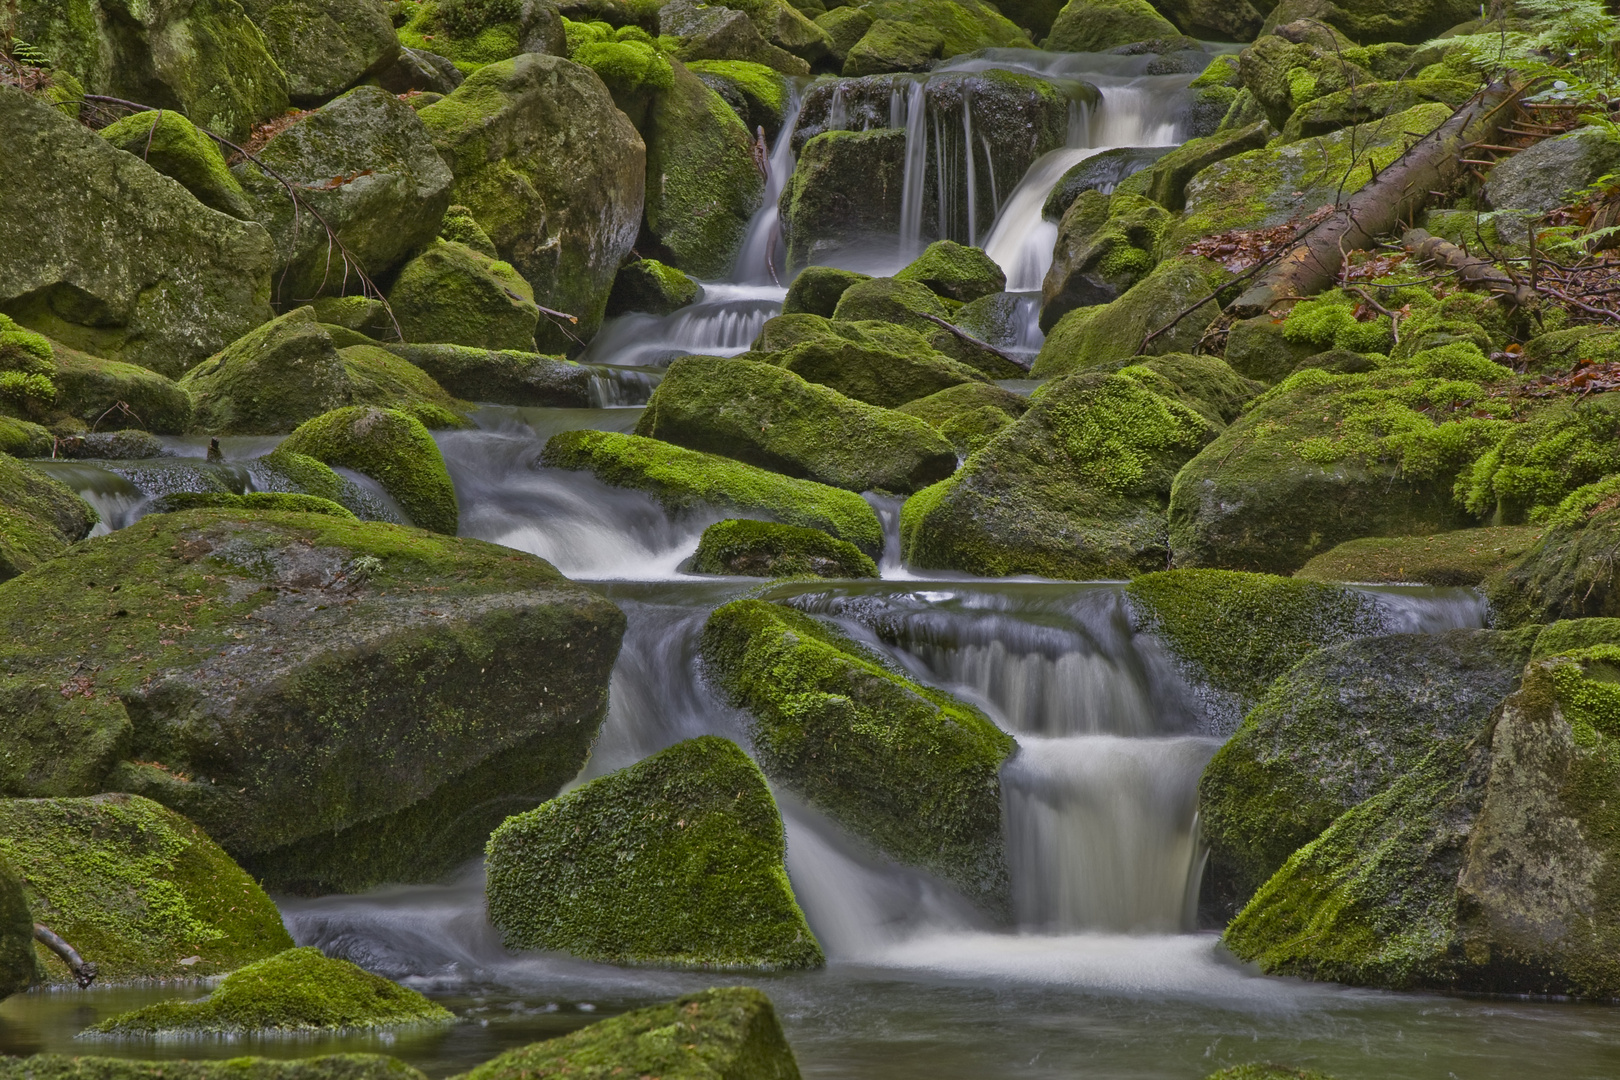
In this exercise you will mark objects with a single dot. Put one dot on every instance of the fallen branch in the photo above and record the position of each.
(1431, 164)
(1016, 361)
(1472, 271)
(84, 972)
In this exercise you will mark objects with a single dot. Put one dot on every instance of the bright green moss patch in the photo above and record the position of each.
(1537, 464)
(762, 88)
(392, 448)
(470, 32)
(1238, 631)
(771, 549)
(253, 500)
(454, 294)
(817, 289)
(172, 145)
(1462, 557)
(1570, 573)
(676, 860)
(955, 271)
(380, 377)
(725, 1033)
(297, 990)
(650, 286)
(23, 438)
(1574, 635)
(330, 1067)
(911, 770)
(136, 888)
(685, 480)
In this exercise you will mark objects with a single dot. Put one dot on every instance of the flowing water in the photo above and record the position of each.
(1103, 972)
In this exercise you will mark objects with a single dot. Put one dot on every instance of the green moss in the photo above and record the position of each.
(763, 90)
(1100, 25)
(964, 25)
(452, 294)
(297, 990)
(771, 549)
(776, 419)
(330, 1067)
(473, 33)
(730, 1032)
(910, 769)
(19, 969)
(1266, 1071)
(1330, 322)
(505, 378)
(270, 380)
(684, 480)
(1571, 573)
(22, 438)
(1090, 336)
(379, 377)
(891, 45)
(676, 860)
(1460, 557)
(391, 447)
(1538, 464)
(650, 286)
(955, 271)
(169, 143)
(816, 290)
(253, 500)
(1237, 632)
(860, 366)
(460, 227)
(1575, 635)
(628, 67)
(937, 409)
(1579, 504)
(39, 517)
(136, 888)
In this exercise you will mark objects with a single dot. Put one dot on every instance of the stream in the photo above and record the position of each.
(1106, 972)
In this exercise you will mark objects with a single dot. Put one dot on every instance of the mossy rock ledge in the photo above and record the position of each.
(296, 990)
(1488, 867)
(727, 1032)
(771, 549)
(676, 860)
(337, 703)
(913, 771)
(136, 888)
(329, 1067)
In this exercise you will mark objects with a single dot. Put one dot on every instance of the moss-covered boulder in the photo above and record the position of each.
(955, 271)
(1571, 572)
(503, 378)
(969, 415)
(1101, 172)
(1462, 557)
(365, 163)
(1363, 104)
(765, 416)
(1093, 336)
(368, 721)
(772, 549)
(1369, 21)
(690, 481)
(391, 447)
(911, 770)
(203, 58)
(1104, 246)
(297, 990)
(846, 187)
(875, 362)
(677, 860)
(962, 26)
(1165, 179)
(1076, 488)
(892, 45)
(756, 93)
(1483, 868)
(173, 146)
(329, 1067)
(19, 969)
(1100, 25)
(1550, 172)
(731, 1032)
(451, 294)
(472, 34)
(553, 173)
(650, 286)
(89, 391)
(325, 46)
(816, 290)
(1340, 727)
(23, 438)
(39, 517)
(1233, 633)
(717, 32)
(108, 255)
(1286, 73)
(136, 888)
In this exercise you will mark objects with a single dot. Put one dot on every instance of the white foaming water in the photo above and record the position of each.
(758, 262)
(724, 322)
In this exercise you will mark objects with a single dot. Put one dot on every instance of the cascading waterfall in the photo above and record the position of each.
(916, 169)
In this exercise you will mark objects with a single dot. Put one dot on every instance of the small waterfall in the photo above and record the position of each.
(759, 260)
(724, 322)
(911, 196)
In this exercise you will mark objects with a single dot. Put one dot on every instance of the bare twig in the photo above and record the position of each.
(963, 335)
(84, 972)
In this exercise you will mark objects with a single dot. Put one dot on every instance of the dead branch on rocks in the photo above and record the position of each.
(84, 971)
(1472, 271)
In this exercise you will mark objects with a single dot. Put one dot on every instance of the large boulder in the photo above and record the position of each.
(366, 165)
(1361, 104)
(457, 36)
(876, 360)
(453, 295)
(203, 58)
(39, 517)
(676, 860)
(1104, 246)
(1100, 25)
(1218, 20)
(955, 272)
(816, 290)
(19, 969)
(504, 378)
(1076, 488)
(137, 889)
(1089, 337)
(326, 46)
(1462, 557)
(731, 1032)
(391, 447)
(892, 45)
(1284, 73)
(554, 174)
(298, 990)
(969, 415)
(1164, 178)
(1552, 172)
(1341, 726)
(106, 254)
(173, 146)
(771, 549)
(687, 481)
(765, 416)
(652, 287)
(1369, 21)
(1483, 868)
(280, 680)
(717, 32)
(846, 187)
(48, 382)
(1100, 172)
(910, 770)
(963, 26)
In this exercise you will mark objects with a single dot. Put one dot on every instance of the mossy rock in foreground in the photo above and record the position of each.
(729, 1033)
(297, 990)
(687, 481)
(1571, 572)
(771, 549)
(911, 770)
(135, 888)
(391, 447)
(505, 377)
(676, 860)
(337, 703)
(330, 1067)
(1463, 557)
(39, 517)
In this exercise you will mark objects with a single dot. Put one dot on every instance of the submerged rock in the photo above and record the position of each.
(391, 447)
(689, 481)
(911, 770)
(136, 888)
(106, 254)
(763, 415)
(39, 517)
(250, 672)
(730, 1032)
(297, 990)
(676, 860)
(771, 549)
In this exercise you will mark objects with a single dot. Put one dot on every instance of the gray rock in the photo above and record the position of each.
(1549, 173)
(325, 46)
(417, 69)
(1101, 172)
